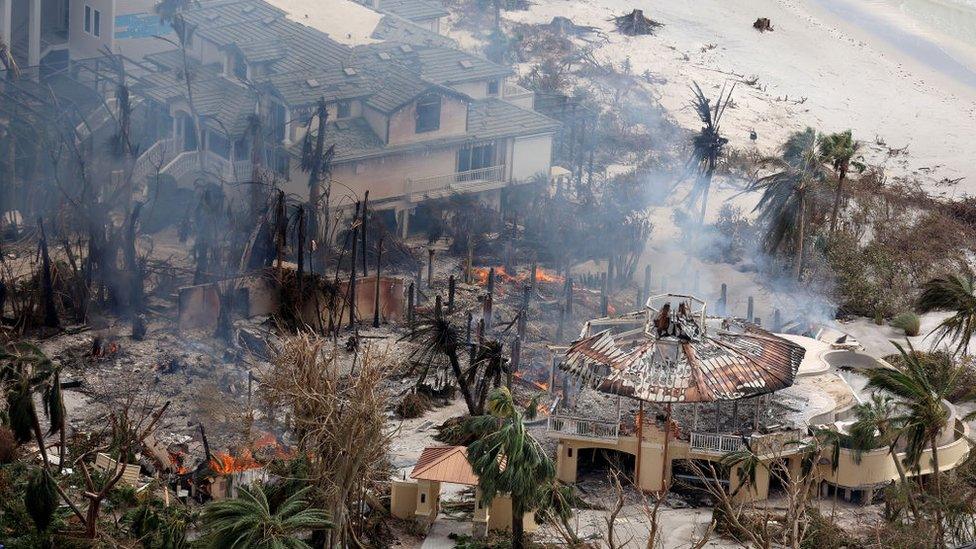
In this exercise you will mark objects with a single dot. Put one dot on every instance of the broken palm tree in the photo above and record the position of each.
(636, 23)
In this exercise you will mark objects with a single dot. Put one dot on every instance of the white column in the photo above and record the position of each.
(34, 34)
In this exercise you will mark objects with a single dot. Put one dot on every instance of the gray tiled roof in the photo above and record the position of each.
(451, 66)
(493, 118)
(414, 10)
(398, 29)
(307, 87)
(214, 97)
(394, 88)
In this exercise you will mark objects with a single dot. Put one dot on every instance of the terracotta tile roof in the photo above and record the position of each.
(445, 464)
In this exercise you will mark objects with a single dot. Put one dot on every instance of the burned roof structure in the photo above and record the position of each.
(670, 352)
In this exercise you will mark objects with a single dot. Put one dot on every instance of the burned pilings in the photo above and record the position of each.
(411, 302)
(376, 291)
(450, 294)
(489, 297)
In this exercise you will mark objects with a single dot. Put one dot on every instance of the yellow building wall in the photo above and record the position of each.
(428, 499)
(878, 466)
(403, 499)
(500, 516)
(384, 177)
(403, 123)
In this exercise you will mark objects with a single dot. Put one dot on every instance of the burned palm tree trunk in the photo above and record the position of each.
(352, 270)
(430, 267)
(47, 284)
(363, 230)
(486, 311)
(257, 162)
(135, 272)
(317, 162)
(410, 303)
(450, 294)
(281, 232)
(376, 291)
(300, 251)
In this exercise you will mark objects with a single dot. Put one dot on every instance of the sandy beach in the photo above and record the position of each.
(829, 64)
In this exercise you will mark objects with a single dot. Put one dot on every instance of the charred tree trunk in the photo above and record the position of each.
(132, 267)
(352, 270)
(376, 297)
(47, 284)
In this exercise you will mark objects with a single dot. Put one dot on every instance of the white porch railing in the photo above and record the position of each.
(470, 181)
(585, 428)
(182, 164)
(151, 158)
(711, 443)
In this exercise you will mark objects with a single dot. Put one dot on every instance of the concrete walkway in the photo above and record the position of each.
(438, 536)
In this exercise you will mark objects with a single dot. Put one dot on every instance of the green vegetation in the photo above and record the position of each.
(910, 323)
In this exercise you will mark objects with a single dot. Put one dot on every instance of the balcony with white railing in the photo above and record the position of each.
(589, 429)
(438, 186)
(714, 443)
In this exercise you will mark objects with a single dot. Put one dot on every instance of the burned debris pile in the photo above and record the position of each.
(763, 24)
(636, 23)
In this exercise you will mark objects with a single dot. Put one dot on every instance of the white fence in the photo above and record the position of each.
(585, 428)
(710, 443)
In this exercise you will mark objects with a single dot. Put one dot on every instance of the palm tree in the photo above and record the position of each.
(438, 339)
(839, 150)
(956, 293)
(876, 425)
(509, 460)
(249, 522)
(26, 370)
(921, 392)
(707, 144)
(784, 205)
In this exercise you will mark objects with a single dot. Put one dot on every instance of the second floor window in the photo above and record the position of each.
(93, 21)
(343, 109)
(240, 66)
(428, 113)
(493, 87)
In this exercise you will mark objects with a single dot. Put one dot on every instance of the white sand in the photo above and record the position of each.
(849, 78)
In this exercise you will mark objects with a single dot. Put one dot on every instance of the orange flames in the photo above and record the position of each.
(480, 275)
(226, 464)
(538, 384)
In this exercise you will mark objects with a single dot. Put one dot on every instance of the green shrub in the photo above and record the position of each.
(909, 322)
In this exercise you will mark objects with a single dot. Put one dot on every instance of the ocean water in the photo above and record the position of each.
(955, 19)
(940, 34)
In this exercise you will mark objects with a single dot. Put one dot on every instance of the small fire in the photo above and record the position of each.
(269, 440)
(226, 464)
(537, 384)
(541, 275)
(101, 349)
(480, 275)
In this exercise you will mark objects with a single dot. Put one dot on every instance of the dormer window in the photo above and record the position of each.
(428, 113)
(493, 87)
(239, 66)
(343, 109)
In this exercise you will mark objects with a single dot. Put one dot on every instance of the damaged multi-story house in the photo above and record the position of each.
(411, 116)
